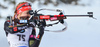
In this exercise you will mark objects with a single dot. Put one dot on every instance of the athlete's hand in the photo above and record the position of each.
(42, 23)
(31, 24)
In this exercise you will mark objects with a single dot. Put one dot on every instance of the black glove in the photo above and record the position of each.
(42, 23)
(31, 23)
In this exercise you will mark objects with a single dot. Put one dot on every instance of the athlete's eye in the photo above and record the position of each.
(24, 18)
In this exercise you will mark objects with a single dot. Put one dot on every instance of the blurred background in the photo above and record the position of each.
(81, 32)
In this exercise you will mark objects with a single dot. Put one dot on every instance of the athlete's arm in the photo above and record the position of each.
(39, 37)
(13, 29)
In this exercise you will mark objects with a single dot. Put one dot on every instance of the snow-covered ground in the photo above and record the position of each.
(81, 32)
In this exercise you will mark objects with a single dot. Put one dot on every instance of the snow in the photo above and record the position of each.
(81, 32)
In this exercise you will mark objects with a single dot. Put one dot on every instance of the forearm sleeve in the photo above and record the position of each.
(13, 29)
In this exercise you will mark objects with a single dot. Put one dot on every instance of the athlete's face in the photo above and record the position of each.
(24, 15)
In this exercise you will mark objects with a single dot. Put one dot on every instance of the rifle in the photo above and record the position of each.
(40, 18)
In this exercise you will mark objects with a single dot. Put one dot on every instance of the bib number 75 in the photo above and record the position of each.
(21, 37)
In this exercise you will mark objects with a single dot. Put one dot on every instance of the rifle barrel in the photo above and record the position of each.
(75, 15)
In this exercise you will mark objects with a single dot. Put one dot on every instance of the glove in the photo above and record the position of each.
(31, 24)
(42, 23)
